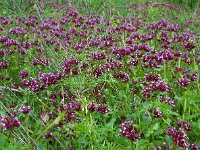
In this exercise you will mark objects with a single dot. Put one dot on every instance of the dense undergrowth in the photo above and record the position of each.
(99, 76)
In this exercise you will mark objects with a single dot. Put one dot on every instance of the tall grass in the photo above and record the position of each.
(192, 4)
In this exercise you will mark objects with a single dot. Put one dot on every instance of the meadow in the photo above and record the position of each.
(99, 75)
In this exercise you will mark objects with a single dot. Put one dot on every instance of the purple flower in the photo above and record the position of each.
(70, 117)
(49, 78)
(161, 85)
(183, 82)
(122, 75)
(189, 45)
(23, 74)
(98, 107)
(194, 76)
(48, 135)
(92, 106)
(127, 130)
(178, 136)
(102, 108)
(157, 113)
(185, 125)
(25, 110)
(10, 121)
(72, 106)
(194, 146)
(32, 83)
(167, 100)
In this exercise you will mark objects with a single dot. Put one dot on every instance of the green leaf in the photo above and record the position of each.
(111, 122)
(4, 12)
(155, 127)
(168, 140)
(146, 120)
(148, 133)
(55, 122)
(42, 145)
(81, 127)
(3, 140)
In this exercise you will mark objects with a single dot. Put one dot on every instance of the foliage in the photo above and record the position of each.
(99, 75)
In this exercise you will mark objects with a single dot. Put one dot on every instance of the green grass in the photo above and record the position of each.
(95, 130)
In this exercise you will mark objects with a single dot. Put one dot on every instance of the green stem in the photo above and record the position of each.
(184, 108)
(196, 68)
(179, 62)
(55, 122)
(165, 72)
(27, 129)
(133, 145)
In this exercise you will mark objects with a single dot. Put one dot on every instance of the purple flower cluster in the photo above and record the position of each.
(98, 107)
(164, 25)
(161, 85)
(49, 78)
(73, 105)
(123, 76)
(41, 61)
(98, 56)
(184, 125)
(187, 79)
(188, 76)
(178, 136)
(71, 108)
(167, 100)
(25, 110)
(183, 82)
(153, 83)
(70, 65)
(154, 59)
(156, 112)
(127, 130)
(48, 135)
(4, 64)
(32, 84)
(44, 80)
(23, 74)
(194, 146)
(107, 67)
(10, 120)
(17, 30)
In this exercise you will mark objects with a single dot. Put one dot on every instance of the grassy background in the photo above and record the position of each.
(189, 11)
